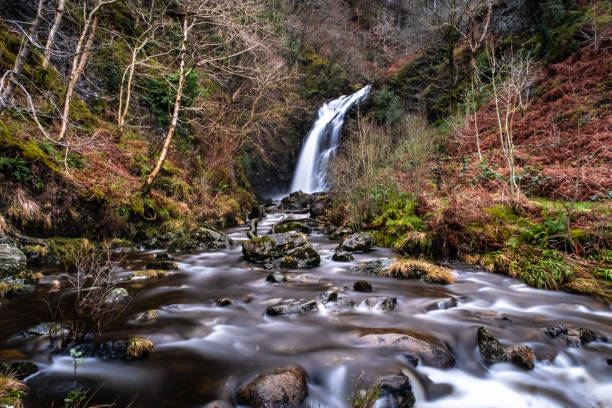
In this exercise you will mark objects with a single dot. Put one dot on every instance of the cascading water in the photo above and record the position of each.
(322, 141)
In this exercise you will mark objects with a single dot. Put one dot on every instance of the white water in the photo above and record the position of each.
(322, 141)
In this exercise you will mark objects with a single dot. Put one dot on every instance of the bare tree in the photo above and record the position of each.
(79, 61)
(24, 53)
(511, 78)
(59, 12)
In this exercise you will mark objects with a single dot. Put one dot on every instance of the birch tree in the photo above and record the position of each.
(59, 13)
(9, 79)
(79, 61)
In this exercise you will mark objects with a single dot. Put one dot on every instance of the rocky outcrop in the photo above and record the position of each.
(287, 249)
(415, 347)
(279, 388)
(358, 242)
(395, 392)
(521, 356)
(297, 201)
(12, 261)
(362, 286)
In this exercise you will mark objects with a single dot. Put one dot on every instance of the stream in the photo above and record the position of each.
(204, 352)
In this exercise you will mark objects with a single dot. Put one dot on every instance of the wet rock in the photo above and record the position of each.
(521, 356)
(287, 249)
(276, 277)
(304, 257)
(135, 348)
(166, 257)
(12, 260)
(338, 233)
(362, 286)
(292, 308)
(10, 287)
(345, 302)
(149, 316)
(491, 350)
(609, 361)
(50, 329)
(342, 256)
(373, 267)
(289, 226)
(428, 351)
(257, 211)
(19, 369)
(162, 265)
(223, 301)
(587, 336)
(386, 303)
(331, 295)
(570, 338)
(148, 274)
(297, 201)
(358, 242)
(395, 392)
(199, 239)
(279, 388)
(118, 295)
(319, 205)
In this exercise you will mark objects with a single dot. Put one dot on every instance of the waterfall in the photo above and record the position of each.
(322, 141)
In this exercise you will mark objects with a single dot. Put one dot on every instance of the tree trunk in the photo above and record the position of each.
(22, 57)
(59, 12)
(175, 113)
(78, 65)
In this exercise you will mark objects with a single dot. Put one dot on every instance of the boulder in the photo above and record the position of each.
(297, 201)
(319, 205)
(491, 350)
(342, 256)
(199, 239)
(276, 277)
(429, 351)
(135, 348)
(162, 265)
(12, 261)
(567, 337)
(288, 249)
(358, 242)
(289, 226)
(164, 256)
(373, 267)
(292, 308)
(362, 286)
(395, 392)
(521, 356)
(279, 388)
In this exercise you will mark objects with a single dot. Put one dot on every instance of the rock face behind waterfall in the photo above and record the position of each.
(290, 249)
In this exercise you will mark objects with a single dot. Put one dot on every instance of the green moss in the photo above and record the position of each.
(79, 112)
(414, 244)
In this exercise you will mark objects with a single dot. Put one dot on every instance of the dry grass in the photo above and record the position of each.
(11, 390)
(25, 211)
(416, 269)
(3, 225)
(139, 347)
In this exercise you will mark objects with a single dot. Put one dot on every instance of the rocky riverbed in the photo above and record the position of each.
(294, 318)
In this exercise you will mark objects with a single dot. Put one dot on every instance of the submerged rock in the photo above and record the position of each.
(276, 277)
(279, 388)
(428, 351)
(572, 337)
(385, 303)
(491, 350)
(373, 267)
(117, 295)
(12, 261)
(342, 256)
(358, 242)
(223, 301)
(292, 308)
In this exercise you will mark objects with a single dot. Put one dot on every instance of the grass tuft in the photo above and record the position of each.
(416, 269)
(139, 347)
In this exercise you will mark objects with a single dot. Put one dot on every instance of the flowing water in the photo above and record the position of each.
(321, 143)
(203, 352)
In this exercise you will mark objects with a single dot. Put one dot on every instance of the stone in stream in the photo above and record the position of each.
(297, 201)
(162, 265)
(292, 308)
(164, 256)
(521, 356)
(373, 267)
(276, 277)
(416, 347)
(385, 303)
(283, 387)
(342, 256)
(12, 261)
(395, 392)
(223, 301)
(358, 242)
(199, 239)
(117, 295)
(574, 338)
(288, 249)
(362, 286)
(491, 350)
(319, 205)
